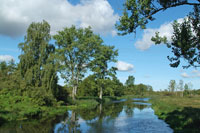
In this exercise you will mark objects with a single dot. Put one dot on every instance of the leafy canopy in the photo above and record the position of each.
(185, 39)
(37, 65)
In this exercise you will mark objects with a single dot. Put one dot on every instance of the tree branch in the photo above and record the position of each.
(178, 4)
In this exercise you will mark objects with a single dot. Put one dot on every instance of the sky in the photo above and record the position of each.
(138, 56)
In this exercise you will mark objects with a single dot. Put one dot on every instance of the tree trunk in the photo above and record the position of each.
(100, 108)
(73, 122)
(74, 90)
(101, 93)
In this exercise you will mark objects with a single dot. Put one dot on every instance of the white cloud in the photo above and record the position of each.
(165, 29)
(6, 58)
(196, 73)
(185, 75)
(123, 66)
(193, 74)
(16, 15)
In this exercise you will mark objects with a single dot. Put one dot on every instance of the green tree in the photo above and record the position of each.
(130, 81)
(37, 66)
(99, 66)
(75, 52)
(172, 86)
(88, 87)
(181, 87)
(186, 36)
(8, 75)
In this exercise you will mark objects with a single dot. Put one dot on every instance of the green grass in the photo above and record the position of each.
(182, 114)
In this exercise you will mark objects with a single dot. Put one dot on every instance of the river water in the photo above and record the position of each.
(124, 116)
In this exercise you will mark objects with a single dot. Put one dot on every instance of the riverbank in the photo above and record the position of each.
(22, 108)
(181, 113)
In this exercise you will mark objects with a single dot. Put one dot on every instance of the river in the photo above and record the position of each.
(123, 116)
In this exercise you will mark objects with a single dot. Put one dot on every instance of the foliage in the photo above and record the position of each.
(99, 66)
(172, 86)
(74, 53)
(90, 87)
(185, 39)
(138, 13)
(78, 51)
(9, 75)
(37, 66)
(136, 89)
(15, 107)
(130, 81)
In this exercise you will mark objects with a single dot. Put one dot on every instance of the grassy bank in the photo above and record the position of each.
(22, 108)
(182, 114)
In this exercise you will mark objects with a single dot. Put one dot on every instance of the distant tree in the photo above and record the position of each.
(190, 86)
(130, 81)
(181, 87)
(172, 86)
(186, 38)
(186, 89)
(141, 89)
(37, 65)
(149, 88)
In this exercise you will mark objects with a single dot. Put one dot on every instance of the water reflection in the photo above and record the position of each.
(33, 126)
(123, 116)
(118, 117)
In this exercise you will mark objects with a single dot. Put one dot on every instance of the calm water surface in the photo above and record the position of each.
(124, 116)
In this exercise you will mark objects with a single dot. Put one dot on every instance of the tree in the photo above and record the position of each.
(172, 85)
(99, 66)
(75, 52)
(130, 81)
(8, 75)
(37, 66)
(88, 87)
(186, 36)
(180, 86)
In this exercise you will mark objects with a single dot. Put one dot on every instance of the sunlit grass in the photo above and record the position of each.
(181, 113)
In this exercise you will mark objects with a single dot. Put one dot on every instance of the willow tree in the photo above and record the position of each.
(37, 67)
(76, 49)
(185, 40)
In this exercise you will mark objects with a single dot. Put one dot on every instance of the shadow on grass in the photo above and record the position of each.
(185, 120)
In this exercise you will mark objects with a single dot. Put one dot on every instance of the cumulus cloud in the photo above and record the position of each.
(185, 75)
(6, 58)
(165, 29)
(193, 74)
(196, 73)
(16, 15)
(123, 66)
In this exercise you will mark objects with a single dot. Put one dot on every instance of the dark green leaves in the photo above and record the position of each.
(186, 36)
(185, 41)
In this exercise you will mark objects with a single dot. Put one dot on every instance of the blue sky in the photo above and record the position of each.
(138, 56)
